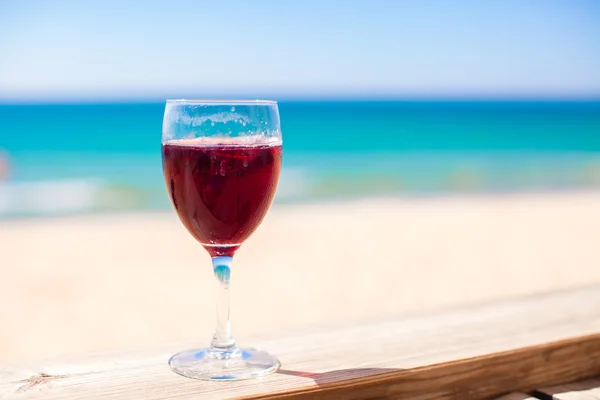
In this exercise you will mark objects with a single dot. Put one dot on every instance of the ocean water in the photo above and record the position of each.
(99, 157)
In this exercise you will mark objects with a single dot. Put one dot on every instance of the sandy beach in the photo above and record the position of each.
(115, 281)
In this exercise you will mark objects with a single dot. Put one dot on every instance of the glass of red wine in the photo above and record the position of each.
(221, 162)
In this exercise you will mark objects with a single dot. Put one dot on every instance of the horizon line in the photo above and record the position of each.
(310, 99)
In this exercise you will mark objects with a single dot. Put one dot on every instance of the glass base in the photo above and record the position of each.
(213, 365)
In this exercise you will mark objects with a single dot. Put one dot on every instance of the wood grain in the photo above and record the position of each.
(471, 353)
(583, 390)
(13, 379)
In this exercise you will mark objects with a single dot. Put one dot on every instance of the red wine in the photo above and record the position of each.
(221, 192)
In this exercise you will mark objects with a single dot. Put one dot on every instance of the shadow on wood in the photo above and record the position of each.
(584, 390)
(339, 376)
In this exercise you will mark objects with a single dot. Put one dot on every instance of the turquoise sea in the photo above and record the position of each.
(98, 157)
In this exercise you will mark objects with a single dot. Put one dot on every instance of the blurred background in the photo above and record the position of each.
(459, 142)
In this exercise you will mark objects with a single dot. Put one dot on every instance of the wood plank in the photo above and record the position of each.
(467, 354)
(12, 380)
(583, 390)
(516, 396)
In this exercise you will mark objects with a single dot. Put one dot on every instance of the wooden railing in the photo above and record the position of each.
(471, 353)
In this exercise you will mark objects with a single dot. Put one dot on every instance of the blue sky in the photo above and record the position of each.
(123, 49)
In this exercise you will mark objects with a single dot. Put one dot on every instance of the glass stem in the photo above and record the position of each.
(222, 340)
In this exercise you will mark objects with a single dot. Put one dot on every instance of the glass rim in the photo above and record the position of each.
(221, 102)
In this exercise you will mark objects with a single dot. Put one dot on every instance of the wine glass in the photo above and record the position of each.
(221, 162)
